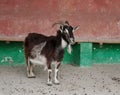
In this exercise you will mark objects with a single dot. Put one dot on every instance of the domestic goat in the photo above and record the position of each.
(46, 50)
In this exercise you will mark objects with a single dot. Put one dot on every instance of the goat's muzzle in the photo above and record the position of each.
(72, 41)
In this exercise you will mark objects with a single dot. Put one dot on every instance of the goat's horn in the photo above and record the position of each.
(60, 23)
(66, 22)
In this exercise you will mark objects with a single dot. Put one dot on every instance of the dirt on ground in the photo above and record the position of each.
(74, 80)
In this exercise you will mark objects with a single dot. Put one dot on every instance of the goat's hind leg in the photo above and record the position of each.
(30, 73)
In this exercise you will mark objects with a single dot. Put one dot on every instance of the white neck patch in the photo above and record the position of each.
(63, 43)
(69, 49)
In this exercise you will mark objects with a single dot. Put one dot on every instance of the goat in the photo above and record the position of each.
(46, 50)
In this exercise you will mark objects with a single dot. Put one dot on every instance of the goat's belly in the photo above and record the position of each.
(40, 60)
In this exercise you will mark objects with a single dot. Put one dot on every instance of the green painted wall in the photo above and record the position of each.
(74, 57)
(83, 54)
(11, 53)
(106, 54)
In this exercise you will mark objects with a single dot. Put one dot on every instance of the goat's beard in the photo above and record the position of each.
(69, 49)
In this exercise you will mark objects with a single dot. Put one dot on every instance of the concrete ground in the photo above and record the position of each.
(96, 80)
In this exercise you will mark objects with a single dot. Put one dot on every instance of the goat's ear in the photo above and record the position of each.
(76, 28)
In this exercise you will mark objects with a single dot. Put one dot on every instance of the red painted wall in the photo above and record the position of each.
(99, 20)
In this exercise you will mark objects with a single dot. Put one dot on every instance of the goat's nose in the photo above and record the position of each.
(73, 43)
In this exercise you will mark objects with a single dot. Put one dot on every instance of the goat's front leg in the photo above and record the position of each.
(57, 65)
(49, 82)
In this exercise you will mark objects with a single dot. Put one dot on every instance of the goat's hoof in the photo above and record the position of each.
(49, 84)
(56, 83)
(32, 77)
(29, 76)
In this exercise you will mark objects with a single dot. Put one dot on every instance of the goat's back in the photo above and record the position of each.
(35, 38)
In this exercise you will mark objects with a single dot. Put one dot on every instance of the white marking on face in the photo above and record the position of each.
(66, 31)
(63, 43)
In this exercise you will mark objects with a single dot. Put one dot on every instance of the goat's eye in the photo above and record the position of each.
(66, 33)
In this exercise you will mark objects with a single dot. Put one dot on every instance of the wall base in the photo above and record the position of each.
(83, 54)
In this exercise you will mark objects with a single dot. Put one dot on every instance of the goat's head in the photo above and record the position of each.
(67, 31)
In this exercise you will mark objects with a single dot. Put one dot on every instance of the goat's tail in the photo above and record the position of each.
(25, 49)
(26, 42)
